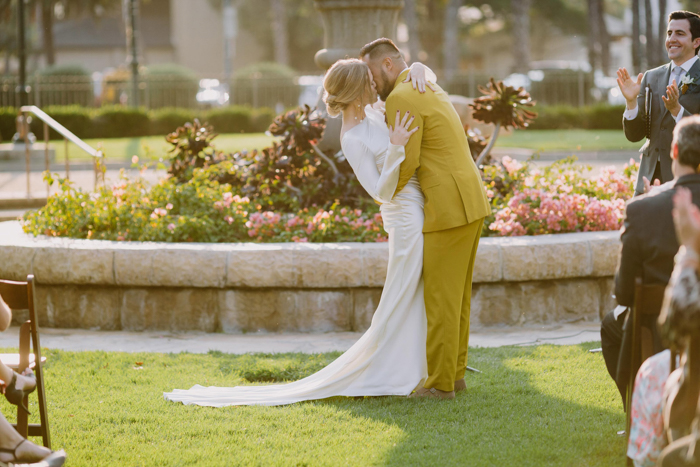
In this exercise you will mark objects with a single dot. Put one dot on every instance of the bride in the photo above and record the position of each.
(390, 358)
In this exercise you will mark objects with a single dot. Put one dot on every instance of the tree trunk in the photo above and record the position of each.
(593, 34)
(450, 43)
(279, 31)
(47, 33)
(663, 26)
(604, 38)
(636, 32)
(651, 42)
(521, 34)
(411, 19)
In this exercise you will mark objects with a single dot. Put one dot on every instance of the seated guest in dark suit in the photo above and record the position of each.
(649, 241)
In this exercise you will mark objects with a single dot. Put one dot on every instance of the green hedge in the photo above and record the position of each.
(233, 119)
(117, 121)
(7, 123)
(594, 117)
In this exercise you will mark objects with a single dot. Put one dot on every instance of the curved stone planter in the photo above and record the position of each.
(293, 287)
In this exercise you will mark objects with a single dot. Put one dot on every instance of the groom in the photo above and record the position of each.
(455, 207)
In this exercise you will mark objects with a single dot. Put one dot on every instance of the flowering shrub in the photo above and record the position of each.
(557, 198)
(199, 210)
(289, 175)
(526, 200)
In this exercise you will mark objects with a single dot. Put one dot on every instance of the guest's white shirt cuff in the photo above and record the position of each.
(680, 115)
(632, 114)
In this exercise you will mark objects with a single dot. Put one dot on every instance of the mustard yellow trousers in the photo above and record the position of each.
(448, 264)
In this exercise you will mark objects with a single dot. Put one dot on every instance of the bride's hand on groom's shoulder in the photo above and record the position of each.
(400, 134)
(417, 77)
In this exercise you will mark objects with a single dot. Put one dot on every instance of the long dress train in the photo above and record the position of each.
(390, 358)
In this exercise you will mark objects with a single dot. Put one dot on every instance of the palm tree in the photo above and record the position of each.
(72, 8)
(521, 34)
(593, 34)
(636, 32)
(411, 19)
(279, 31)
(47, 29)
(651, 42)
(663, 24)
(450, 44)
(603, 38)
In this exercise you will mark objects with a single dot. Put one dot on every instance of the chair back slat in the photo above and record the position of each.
(648, 299)
(20, 296)
(14, 294)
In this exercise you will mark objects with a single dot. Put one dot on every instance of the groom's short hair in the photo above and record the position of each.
(381, 47)
(686, 136)
(693, 19)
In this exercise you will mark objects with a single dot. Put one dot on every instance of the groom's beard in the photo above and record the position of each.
(386, 86)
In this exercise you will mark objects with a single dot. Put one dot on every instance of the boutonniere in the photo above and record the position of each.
(685, 82)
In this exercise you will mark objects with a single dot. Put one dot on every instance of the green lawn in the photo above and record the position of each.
(118, 149)
(533, 406)
(568, 140)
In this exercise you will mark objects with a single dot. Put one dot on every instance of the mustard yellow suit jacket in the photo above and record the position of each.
(439, 153)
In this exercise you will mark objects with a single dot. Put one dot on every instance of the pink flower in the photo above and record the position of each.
(169, 206)
(158, 212)
(171, 227)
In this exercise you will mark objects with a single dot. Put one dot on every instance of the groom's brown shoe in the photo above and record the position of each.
(432, 393)
(460, 385)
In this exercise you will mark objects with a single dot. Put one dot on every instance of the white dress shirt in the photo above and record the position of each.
(685, 67)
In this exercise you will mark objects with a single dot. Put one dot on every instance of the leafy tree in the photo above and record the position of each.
(521, 34)
(303, 36)
(568, 15)
(691, 5)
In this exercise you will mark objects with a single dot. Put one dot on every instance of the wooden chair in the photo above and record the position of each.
(648, 300)
(20, 296)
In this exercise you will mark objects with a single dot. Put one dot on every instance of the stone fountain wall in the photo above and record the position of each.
(248, 287)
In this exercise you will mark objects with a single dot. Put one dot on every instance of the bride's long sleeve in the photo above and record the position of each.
(380, 186)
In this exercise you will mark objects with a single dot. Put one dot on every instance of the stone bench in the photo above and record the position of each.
(249, 287)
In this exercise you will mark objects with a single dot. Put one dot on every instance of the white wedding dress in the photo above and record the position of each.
(390, 358)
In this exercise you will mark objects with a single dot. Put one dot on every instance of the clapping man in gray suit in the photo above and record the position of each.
(665, 94)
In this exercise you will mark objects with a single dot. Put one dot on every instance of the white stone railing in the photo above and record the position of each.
(508, 271)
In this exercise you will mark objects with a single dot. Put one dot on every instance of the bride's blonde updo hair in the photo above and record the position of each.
(345, 82)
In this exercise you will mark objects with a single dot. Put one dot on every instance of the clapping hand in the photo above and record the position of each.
(686, 218)
(647, 184)
(630, 88)
(671, 98)
(400, 133)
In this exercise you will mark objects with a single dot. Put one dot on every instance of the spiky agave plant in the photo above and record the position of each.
(504, 106)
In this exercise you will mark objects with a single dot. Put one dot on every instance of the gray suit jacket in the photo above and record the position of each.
(658, 148)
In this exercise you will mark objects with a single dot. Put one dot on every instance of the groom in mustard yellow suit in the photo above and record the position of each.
(455, 208)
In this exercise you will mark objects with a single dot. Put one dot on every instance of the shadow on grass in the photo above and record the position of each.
(536, 406)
